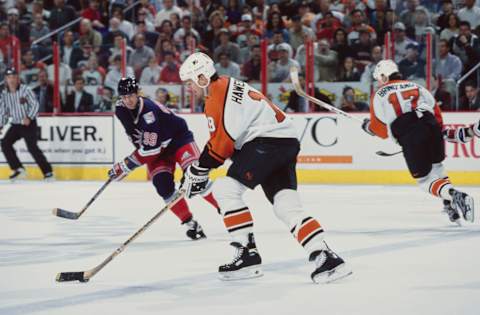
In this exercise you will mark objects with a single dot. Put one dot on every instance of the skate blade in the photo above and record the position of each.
(340, 272)
(242, 274)
(470, 213)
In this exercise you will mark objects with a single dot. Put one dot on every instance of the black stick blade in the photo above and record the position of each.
(65, 214)
(71, 276)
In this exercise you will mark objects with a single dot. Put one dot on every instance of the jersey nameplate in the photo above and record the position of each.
(237, 92)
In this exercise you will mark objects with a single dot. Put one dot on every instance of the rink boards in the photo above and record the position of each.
(334, 150)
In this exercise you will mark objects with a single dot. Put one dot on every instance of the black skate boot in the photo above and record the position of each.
(330, 266)
(19, 173)
(194, 230)
(451, 212)
(464, 203)
(245, 264)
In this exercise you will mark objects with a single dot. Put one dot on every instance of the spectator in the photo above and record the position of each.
(296, 32)
(421, 23)
(299, 104)
(61, 14)
(115, 74)
(162, 97)
(150, 37)
(64, 73)
(37, 8)
(113, 30)
(327, 27)
(117, 46)
(358, 23)
(466, 46)
(275, 24)
(246, 52)
(186, 28)
(141, 55)
(348, 72)
(151, 74)
(323, 7)
(442, 96)
(166, 47)
(279, 71)
(106, 101)
(260, 10)
(164, 14)
(234, 12)
(91, 74)
(142, 16)
(71, 55)
(93, 14)
(348, 103)
(273, 52)
(7, 42)
(452, 28)
(340, 44)
(78, 101)
(470, 13)
(89, 35)
(22, 31)
(471, 99)
(407, 16)
(166, 31)
(367, 74)
(448, 66)
(443, 21)
(30, 69)
(125, 26)
(227, 67)
(411, 67)
(211, 36)
(326, 62)
(87, 52)
(40, 29)
(401, 41)
(252, 68)
(191, 45)
(170, 68)
(246, 27)
(361, 49)
(44, 92)
(226, 46)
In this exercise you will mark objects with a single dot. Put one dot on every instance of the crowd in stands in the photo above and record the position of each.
(348, 38)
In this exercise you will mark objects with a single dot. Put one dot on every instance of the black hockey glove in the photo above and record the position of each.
(195, 180)
(366, 126)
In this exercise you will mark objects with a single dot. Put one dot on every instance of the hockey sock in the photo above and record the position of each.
(180, 209)
(211, 200)
(238, 221)
(309, 233)
(436, 182)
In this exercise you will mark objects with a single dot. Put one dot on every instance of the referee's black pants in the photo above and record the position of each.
(29, 133)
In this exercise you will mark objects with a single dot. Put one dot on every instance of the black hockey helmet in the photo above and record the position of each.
(127, 86)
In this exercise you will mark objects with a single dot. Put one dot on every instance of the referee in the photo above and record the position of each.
(18, 102)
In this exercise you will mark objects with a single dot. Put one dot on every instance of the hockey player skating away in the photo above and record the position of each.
(407, 112)
(162, 139)
(262, 143)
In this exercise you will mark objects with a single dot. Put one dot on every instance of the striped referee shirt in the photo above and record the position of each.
(18, 105)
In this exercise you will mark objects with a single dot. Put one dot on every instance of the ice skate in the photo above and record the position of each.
(463, 203)
(451, 212)
(194, 230)
(330, 267)
(245, 264)
(19, 173)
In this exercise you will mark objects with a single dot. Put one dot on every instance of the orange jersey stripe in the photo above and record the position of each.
(238, 219)
(376, 126)
(221, 145)
(308, 228)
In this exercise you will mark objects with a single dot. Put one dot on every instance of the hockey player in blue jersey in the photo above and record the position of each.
(162, 139)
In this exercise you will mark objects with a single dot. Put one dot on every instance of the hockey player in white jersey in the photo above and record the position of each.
(408, 113)
(262, 143)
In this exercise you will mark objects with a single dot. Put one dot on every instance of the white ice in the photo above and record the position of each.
(406, 257)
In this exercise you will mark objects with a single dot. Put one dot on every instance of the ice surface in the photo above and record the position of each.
(406, 256)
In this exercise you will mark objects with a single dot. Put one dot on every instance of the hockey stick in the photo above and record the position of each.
(381, 153)
(75, 215)
(298, 88)
(84, 276)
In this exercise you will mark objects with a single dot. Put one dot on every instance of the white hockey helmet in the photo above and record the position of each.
(195, 65)
(384, 67)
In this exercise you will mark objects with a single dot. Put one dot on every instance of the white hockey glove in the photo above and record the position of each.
(366, 126)
(476, 129)
(195, 180)
(459, 135)
(123, 168)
